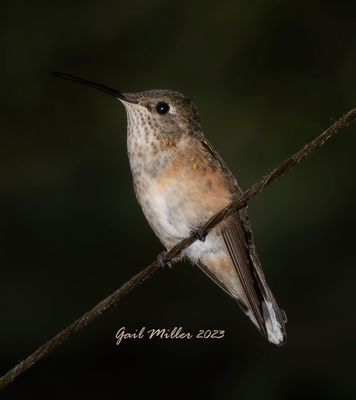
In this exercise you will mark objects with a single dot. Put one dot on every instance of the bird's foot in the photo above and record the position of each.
(162, 262)
(199, 233)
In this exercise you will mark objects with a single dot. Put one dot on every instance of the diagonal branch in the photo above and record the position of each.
(233, 207)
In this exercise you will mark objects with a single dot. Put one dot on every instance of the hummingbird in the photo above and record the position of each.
(180, 181)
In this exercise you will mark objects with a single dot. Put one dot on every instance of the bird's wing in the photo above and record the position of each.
(238, 239)
(261, 305)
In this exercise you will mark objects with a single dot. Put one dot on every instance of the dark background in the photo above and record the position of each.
(267, 76)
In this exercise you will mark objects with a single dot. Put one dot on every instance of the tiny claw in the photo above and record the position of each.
(199, 233)
(161, 259)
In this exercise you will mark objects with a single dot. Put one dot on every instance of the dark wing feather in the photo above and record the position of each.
(266, 292)
(234, 236)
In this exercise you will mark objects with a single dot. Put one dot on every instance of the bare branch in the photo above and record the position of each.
(233, 207)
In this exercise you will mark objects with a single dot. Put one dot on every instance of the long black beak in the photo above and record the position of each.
(103, 88)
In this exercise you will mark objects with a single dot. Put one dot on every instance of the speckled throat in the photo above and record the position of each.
(150, 148)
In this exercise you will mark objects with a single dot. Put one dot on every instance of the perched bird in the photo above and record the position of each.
(180, 181)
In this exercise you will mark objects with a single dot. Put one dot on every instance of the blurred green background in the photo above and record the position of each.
(267, 77)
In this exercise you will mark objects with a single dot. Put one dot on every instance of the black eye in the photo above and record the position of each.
(162, 107)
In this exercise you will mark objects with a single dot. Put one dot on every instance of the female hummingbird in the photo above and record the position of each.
(180, 181)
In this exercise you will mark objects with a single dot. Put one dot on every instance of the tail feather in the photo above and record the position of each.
(229, 258)
(273, 317)
(274, 321)
(257, 296)
(275, 329)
